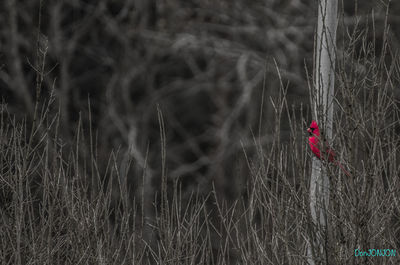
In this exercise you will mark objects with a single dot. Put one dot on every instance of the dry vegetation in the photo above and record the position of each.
(162, 132)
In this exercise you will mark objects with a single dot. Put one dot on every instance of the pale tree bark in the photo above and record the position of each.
(322, 102)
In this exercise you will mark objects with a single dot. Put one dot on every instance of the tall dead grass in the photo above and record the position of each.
(58, 205)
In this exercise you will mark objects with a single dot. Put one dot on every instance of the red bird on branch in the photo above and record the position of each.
(315, 145)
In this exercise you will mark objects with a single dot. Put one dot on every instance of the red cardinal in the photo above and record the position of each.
(313, 141)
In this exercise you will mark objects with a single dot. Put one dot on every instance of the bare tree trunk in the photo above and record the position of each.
(147, 12)
(322, 101)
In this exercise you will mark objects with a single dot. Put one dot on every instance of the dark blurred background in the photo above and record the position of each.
(208, 65)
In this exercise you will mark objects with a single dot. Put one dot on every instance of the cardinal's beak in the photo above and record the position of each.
(309, 131)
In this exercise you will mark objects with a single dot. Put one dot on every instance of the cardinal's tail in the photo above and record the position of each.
(342, 168)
